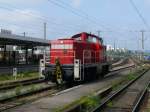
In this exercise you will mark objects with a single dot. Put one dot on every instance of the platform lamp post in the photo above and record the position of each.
(142, 44)
(42, 62)
(45, 25)
(24, 34)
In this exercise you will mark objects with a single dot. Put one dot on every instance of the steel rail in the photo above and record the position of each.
(14, 84)
(77, 107)
(103, 104)
(130, 66)
(141, 98)
(29, 93)
(22, 83)
(18, 81)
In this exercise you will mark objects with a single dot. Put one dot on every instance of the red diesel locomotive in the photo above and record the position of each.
(79, 58)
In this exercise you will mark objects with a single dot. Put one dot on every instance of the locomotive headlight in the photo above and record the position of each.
(61, 42)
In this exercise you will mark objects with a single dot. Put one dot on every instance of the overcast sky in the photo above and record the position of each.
(117, 19)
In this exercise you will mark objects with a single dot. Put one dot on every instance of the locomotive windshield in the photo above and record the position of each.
(92, 39)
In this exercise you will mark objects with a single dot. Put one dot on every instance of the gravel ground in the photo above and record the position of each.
(49, 104)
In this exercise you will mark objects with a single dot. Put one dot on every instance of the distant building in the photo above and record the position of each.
(109, 48)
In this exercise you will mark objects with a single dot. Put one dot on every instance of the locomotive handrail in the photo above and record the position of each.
(91, 58)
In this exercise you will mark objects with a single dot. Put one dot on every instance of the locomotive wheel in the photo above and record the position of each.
(102, 75)
(98, 76)
(104, 71)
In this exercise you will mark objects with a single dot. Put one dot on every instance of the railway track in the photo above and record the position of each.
(120, 62)
(136, 108)
(24, 91)
(11, 103)
(127, 98)
(10, 92)
(14, 84)
(100, 94)
(26, 97)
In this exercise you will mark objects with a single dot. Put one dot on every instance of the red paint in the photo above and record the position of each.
(64, 49)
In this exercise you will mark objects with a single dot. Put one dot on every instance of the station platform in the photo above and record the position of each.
(20, 68)
(20, 52)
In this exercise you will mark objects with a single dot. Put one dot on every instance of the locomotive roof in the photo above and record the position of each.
(88, 34)
(78, 35)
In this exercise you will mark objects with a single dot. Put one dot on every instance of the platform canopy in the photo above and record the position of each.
(12, 39)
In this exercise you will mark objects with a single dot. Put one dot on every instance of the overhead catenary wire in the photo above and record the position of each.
(86, 15)
(76, 12)
(65, 27)
(39, 17)
(37, 27)
(29, 28)
(82, 14)
(139, 14)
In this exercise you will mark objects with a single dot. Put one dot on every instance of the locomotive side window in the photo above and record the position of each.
(89, 39)
(92, 39)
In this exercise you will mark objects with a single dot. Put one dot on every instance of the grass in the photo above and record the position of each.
(32, 88)
(18, 90)
(20, 87)
(7, 77)
(131, 76)
(90, 102)
(116, 85)
(87, 103)
(110, 104)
